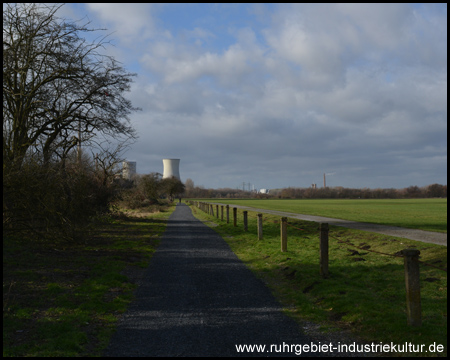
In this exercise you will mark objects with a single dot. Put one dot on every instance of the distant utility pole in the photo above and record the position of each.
(324, 182)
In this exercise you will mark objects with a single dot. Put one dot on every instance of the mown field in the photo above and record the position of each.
(364, 295)
(423, 214)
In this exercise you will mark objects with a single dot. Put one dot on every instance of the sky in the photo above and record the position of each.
(276, 95)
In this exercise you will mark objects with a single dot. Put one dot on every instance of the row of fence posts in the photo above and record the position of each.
(411, 256)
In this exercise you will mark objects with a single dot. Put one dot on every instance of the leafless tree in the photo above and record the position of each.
(58, 88)
(173, 187)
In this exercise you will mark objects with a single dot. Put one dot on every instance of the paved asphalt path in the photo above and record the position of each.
(413, 234)
(198, 299)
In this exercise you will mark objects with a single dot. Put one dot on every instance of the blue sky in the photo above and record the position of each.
(277, 94)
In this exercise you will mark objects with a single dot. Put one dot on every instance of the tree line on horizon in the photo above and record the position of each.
(60, 91)
(338, 192)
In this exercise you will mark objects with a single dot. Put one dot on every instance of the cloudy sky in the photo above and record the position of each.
(276, 95)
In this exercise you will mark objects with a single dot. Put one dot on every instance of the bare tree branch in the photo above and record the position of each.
(54, 81)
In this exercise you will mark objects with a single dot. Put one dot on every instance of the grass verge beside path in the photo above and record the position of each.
(423, 214)
(365, 292)
(63, 299)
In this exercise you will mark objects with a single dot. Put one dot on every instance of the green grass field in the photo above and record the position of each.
(63, 299)
(423, 214)
(365, 291)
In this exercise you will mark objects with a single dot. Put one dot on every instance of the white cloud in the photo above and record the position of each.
(356, 89)
(130, 21)
(178, 63)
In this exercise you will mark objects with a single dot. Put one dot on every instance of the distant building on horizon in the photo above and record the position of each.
(171, 168)
(128, 169)
(264, 191)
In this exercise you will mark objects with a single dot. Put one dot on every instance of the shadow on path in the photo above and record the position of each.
(198, 299)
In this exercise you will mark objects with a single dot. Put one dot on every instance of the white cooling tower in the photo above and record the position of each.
(171, 168)
(128, 169)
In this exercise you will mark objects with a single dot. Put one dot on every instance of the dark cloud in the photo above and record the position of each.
(358, 90)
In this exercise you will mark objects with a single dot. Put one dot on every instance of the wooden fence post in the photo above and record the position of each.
(260, 227)
(412, 275)
(221, 212)
(228, 214)
(323, 252)
(283, 228)
(235, 216)
(217, 211)
(245, 220)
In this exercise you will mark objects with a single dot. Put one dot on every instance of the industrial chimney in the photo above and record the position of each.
(171, 168)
